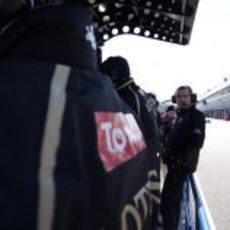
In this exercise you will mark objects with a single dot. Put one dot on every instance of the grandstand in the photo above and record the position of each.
(216, 102)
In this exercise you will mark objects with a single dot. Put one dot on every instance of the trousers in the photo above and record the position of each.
(171, 198)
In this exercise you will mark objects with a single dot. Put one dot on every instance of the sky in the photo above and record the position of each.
(160, 67)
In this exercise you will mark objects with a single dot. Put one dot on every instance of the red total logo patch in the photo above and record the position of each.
(119, 138)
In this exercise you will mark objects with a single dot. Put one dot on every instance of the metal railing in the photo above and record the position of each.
(195, 214)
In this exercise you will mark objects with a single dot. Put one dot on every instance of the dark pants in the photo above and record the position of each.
(171, 198)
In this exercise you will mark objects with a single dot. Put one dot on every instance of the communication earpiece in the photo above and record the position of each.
(193, 97)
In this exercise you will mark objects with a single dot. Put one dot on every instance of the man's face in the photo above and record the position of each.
(183, 98)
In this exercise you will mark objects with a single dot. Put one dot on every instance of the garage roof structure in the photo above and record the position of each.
(165, 20)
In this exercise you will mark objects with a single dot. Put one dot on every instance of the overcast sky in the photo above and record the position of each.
(161, 67)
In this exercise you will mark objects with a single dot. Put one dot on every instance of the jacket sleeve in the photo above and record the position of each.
(198, 131)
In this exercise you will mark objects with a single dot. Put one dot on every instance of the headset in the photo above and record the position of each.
(193, 95)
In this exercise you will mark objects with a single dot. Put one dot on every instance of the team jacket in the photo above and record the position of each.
(145, 109)
(72, 155)
(185, 140)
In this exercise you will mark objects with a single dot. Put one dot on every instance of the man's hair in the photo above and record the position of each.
(11, 8)
(183, 87)
(117, 67)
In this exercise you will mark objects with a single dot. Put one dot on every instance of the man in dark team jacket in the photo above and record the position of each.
(182, 152)
(72, 155)
(118, 69)
(143, 105)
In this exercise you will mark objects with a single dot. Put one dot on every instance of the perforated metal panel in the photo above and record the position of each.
(166, 20)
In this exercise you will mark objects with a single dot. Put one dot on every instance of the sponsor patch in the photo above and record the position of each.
(119, 138)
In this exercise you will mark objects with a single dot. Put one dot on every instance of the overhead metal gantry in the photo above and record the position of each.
(165, 20)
